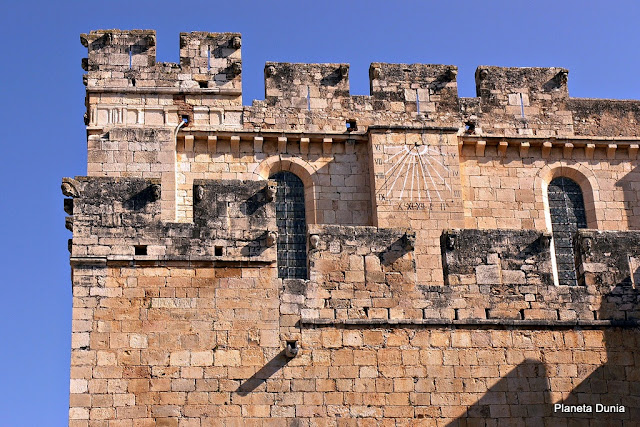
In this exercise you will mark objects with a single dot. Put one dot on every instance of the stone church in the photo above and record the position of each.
(410, 257)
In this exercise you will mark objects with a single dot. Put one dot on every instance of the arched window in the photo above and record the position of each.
(292, 229)
(566, 206)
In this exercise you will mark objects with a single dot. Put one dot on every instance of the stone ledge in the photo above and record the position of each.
(159, 260)
(468, 322)
(168, 90)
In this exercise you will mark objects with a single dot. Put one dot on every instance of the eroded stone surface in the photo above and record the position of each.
(431, 296)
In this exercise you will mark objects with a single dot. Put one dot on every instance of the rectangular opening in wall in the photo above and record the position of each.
(634, 269)
(203, 85)
(140, 249)
(217, 251)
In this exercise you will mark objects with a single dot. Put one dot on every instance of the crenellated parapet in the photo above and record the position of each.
(605, 117)
(127, 59)
(126, 86)
(119, 219)
(508, 273)
(498, 86)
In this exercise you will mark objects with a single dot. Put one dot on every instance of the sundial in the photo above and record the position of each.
(415, 175)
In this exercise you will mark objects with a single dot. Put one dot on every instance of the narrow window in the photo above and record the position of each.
(566, 207)
(292, 230)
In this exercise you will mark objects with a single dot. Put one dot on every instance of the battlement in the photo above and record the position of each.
(491, 276)
(127, 86)
(127, 59)
(113, 219)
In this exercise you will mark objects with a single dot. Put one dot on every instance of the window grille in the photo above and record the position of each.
(566, 206)
(292, 230)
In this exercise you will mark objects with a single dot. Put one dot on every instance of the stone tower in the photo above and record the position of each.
(410, 257)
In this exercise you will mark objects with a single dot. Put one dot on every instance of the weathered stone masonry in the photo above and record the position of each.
(433, 294)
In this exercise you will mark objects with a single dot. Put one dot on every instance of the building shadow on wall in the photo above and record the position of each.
(630, 185)
(617, 382)
(523, 396)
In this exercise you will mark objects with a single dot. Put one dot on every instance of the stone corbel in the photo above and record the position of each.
(282, 144)
(235, 144)
(70, 187)
(257, 144)
(567, 149)
(502, 148)
(212, 142)
(304, 145)
(589, 149)
(326, 145)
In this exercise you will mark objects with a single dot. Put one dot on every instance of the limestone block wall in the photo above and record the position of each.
(163, 345)
(605, 117)
(606, 258)
(152, 345)
(335, 171)
(168, 343)
(361, 273)
(504, 183)
(417, 185)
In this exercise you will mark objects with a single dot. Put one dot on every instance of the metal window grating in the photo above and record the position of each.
(566, 206)
(292, 230)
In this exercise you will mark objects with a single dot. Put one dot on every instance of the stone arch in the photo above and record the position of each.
(303, 170)
(588, 183)
(586, 180)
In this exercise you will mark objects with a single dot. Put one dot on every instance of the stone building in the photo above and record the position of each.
(410, 257)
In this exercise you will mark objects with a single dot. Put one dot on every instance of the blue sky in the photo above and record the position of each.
(44, 138)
